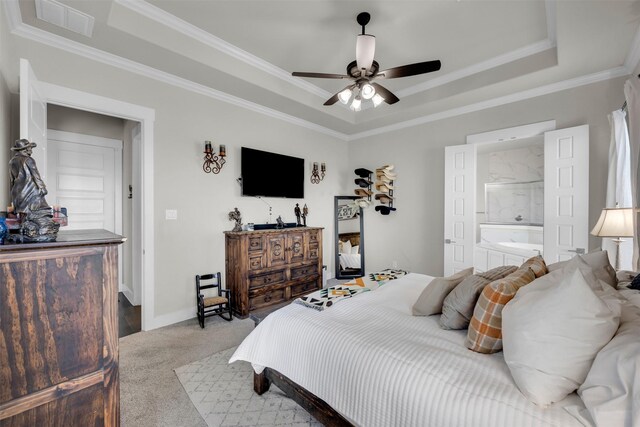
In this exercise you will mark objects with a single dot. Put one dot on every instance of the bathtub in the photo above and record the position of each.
(506, 244)
(491, 255)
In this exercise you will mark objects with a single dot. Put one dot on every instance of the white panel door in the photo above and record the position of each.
(85, 178)
(566, 193)
(33, 116)
(459, 207)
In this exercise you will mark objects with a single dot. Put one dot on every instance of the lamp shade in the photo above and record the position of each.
(614, 222)
(365, 49)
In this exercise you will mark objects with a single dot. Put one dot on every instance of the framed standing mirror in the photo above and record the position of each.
(349, 238)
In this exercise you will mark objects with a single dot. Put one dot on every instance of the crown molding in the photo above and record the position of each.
(53, 40)
(22, 30)
(173, 22)
(496, 61)
(495, 102)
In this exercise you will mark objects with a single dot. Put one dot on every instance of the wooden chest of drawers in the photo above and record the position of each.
(59, 331)
(268, 267)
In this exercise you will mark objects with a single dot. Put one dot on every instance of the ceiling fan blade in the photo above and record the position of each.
(320, 75)
(410, 70)
(388, 97)
(336, 97)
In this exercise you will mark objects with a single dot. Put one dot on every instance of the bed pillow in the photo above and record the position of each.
(537, 265)
(614, 377)
(551, 338)
(485, 328)
(457, 307)
(430, 300)
(355, 250)
(598, 261)
(346, 247)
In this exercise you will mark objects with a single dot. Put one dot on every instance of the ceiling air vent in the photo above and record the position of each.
(64, 16)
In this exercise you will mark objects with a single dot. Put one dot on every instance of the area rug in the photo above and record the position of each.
(223, 395)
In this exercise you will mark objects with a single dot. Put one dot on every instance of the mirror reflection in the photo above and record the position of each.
(349, 238)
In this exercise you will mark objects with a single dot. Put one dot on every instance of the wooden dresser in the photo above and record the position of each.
(267, 267)
(59, 331)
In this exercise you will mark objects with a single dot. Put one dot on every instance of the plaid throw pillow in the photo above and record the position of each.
(485, 329)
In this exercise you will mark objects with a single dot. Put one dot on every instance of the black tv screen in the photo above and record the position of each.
(271, 175)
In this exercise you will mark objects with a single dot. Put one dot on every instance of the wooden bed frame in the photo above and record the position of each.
(317, 407)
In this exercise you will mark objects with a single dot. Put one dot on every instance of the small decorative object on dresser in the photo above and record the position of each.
(268, 267)
(305, 212)
(27, 195)
(296, 210)
(236, 216)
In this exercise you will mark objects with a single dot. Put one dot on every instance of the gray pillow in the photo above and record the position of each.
(457, 308)
(599, 262)
(430, 301)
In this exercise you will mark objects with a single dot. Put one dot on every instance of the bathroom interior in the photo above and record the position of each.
(509, 202)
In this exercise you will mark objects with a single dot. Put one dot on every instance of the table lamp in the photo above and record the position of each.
(615, 223)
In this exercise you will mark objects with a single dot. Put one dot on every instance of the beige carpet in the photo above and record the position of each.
(223, 394)
(150, 392)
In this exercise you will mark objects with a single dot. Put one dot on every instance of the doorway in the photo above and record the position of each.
(89, 166)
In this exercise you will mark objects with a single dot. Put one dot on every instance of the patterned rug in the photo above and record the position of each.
(223, 395)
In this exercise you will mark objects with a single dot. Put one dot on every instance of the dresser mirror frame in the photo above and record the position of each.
(339, 210)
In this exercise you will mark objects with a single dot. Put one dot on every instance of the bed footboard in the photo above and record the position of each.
(317, 407)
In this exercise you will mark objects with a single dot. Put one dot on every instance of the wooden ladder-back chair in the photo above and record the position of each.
(212, 305)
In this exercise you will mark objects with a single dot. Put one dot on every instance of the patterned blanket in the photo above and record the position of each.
(327, 297)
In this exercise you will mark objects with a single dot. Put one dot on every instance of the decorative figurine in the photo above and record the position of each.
(297, 212)
(235, 215)
(279, 222)
(27, 195)
(305, 212)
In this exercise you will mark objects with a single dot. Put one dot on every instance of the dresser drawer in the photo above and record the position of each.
(256, 261)
(267, 279)
(304, 288)
(255, 243)
(270, 297)
(314, 251)
(313, 236)
(303, 271)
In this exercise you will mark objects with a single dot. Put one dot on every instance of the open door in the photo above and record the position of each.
(33, 115)
(566, 193)
(459, 207)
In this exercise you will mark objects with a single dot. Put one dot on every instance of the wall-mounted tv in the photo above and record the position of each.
(271, 175)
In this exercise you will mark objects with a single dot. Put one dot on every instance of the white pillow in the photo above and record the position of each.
(346, 247)
(355, 249)
(551, 337)
(611, 391)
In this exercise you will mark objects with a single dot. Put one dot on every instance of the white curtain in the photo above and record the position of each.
(619, 183)
(632, 94)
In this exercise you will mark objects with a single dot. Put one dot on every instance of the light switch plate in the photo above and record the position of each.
(171, 214)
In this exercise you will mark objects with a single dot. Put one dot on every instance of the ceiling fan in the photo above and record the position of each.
(364, 70)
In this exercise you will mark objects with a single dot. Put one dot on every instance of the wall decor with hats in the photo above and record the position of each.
(364, 183)
(384, 187)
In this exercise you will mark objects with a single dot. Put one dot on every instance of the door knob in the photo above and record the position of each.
(449, 241)
(578, 251)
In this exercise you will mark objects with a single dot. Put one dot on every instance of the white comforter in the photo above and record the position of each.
(378, 365)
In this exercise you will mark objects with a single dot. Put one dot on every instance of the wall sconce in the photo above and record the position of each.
(213, 162)
(315, 176)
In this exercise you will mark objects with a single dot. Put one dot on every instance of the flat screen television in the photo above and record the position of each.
(271, 175)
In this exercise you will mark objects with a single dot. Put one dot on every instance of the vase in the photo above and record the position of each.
(4, 230)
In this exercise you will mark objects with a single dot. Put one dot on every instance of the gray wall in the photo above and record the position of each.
(84, 122)
(194, 243)
(413, 235)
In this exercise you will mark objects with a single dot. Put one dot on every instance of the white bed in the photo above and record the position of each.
(378, 365)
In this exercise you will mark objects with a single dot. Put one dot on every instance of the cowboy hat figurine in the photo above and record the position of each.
(27, 195)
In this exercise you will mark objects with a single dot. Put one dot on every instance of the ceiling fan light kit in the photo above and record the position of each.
(365, 69)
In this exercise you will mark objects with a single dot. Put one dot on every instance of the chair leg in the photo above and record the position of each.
(228, 319)
(201, 316)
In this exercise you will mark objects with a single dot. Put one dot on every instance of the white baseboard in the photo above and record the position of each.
(171, 318)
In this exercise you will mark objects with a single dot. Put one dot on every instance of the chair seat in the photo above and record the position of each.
(208, 302)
